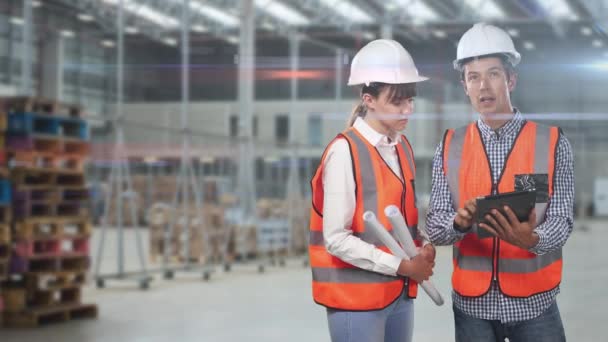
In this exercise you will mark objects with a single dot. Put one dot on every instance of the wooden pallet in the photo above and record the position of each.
(40, 178)
(53, 280)
(51, 247)
(3, 121)
(47, 298)
(5, 234)
(39, 143)
(21, 104)
(76, 147)
(36, 317)
(38, 228)
(6, 214)
(4, 268)
(63, 263)
(52, 227)
(46, 160)
(5, 252)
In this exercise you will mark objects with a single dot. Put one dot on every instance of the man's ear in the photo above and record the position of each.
(512, 82)
(369, 101)
(464, 87)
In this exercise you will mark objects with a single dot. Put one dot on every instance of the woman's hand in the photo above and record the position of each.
(420, 268)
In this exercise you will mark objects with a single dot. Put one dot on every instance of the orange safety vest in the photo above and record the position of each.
(477, 262)
(337, 284)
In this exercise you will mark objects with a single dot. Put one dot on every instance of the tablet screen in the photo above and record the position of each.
(521, 202)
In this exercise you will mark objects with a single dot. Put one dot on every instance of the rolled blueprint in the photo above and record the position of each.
(372, 223)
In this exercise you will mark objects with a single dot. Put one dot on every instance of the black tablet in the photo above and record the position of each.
(521, 202)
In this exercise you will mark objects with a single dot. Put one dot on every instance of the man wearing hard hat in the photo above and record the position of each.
(368, 292)
(505, 281)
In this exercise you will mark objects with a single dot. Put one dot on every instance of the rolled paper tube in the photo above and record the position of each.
(403, 234)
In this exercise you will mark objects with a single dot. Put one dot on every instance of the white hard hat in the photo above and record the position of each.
(483, 39)
(385, 61)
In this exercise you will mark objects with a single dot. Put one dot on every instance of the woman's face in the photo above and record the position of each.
(392, 114)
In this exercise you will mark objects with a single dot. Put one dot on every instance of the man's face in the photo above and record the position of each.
(487, 85)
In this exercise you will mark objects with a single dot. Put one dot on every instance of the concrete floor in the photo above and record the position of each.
(277, 306)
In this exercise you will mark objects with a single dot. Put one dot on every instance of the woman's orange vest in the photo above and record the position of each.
(337, 284)
(476, 261)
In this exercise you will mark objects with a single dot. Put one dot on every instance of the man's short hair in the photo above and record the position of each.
(509, 68)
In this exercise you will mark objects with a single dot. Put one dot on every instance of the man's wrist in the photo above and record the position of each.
(461, 229)
(533, 241)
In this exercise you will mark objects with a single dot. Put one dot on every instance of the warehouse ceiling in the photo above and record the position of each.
(348, 23)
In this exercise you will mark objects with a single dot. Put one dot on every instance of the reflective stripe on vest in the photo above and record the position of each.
(337, 284)
(518, 270)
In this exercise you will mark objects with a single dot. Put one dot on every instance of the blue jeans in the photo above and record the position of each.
(545, 328)
(395, 323)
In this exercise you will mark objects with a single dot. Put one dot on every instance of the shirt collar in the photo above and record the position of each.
(372, 136)
(511, 127)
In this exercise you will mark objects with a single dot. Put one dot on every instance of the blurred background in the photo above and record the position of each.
(199, 124)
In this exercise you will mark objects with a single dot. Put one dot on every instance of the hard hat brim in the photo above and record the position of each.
(416, 79)
(513, 57)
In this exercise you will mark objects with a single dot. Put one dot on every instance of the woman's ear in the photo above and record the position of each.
(369, 101)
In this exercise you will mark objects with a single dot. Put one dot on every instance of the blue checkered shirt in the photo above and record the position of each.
(553, 232)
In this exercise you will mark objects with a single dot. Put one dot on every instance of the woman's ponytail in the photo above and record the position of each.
(358, 111)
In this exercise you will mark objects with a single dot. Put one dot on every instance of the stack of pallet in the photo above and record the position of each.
(5, 212)
(47, 145)
(212, 227)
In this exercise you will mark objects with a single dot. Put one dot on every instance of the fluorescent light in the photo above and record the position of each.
(390, 6)
(348, 11)
(513, 32)
(67, 33)
(558, 9)
(232, 39)
(596, 43)
(36, 3)
(268, 26)
(108, 43)
(215, 14)
(441, 34)
(417, 9)
(170, 41)
(131, 30)
(282, 12)
(146, 12)
(586, 31)
(16, 21)
(199, 28)
(486, 8)
(87, 18)
(528, 45)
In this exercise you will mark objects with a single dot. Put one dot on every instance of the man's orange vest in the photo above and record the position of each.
(337, 284)
(519, 273)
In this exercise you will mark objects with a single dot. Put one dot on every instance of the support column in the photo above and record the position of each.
(246, 72)
(26, 51)
(52, 67)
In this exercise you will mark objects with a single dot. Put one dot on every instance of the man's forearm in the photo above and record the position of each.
(440, 227)
(552, 234)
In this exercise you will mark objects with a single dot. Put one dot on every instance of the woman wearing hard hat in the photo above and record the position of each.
(368, 291)
(505, 280)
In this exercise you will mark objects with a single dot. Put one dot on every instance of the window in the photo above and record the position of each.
(254, 126)
(234, 126)
(281, 128)
(315, 130)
